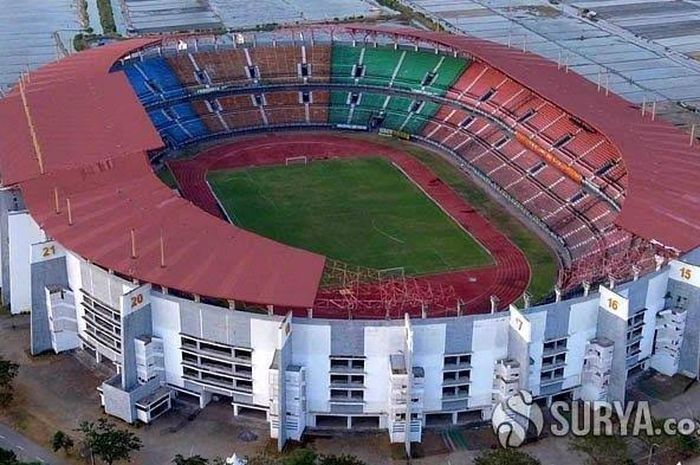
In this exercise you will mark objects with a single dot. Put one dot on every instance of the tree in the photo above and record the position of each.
(663, 443)
(300, 457)
(340, 460)
(8, 457)
(61, 440)
(109, 443)
(601, 449)
(193, 460)
(8, 372)
(505, 457)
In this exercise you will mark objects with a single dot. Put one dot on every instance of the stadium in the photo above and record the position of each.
(346, 227)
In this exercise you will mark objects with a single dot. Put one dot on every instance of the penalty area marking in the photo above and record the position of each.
(396, 239)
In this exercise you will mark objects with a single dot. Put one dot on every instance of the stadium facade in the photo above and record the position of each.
(110, 261)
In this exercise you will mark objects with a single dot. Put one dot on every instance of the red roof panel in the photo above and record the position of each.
(94, 135)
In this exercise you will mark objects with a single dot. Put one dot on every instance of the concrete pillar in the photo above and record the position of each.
(659, 261)
(270, 310)
(460, 304)
(527, 299)
(455, 418)
(197, 298)
(557, 294)
(98, 356)
(424, 311)
(586, 288)
(611, 282)
(231, 304)
(310, 313)
(204, 399)
(494, 304)
(235, 410)
(636, 271)
(349, 422)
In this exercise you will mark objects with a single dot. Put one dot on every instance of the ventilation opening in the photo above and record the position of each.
(358, 71)
(562, 140)
(605, 168)
(538, 167)
(252, 72)
(354, 98)
(305, 97)
(577, 197)
(501, 142)
(416, 106)
(526, 116)
(304, 70)
(489, 93)
(429, 79)
(467, 121)
(201, 76)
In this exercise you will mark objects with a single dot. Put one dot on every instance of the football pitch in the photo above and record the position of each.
(361, 211)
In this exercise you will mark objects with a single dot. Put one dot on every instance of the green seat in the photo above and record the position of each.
(385, 66)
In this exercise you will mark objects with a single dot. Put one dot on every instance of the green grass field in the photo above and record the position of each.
(360, 211)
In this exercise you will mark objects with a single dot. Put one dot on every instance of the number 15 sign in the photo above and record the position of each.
(685, 273)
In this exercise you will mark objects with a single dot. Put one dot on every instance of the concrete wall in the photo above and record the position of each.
(22, 232)
(45, 273)
(487, 338)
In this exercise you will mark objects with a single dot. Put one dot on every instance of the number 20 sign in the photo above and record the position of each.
(136, 299)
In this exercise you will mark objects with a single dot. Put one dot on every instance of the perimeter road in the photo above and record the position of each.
(26, 449)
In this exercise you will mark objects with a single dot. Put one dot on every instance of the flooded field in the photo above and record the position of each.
(27, 34)
(240, 14)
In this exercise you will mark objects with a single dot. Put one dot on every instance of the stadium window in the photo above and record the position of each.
(428, 79)
(537, 168)
(605, 168)
(562, 140)
(577, 197)
(416, 106)
(489, 93)
(501, 142)
(526, 116)
(358, 71)
(201, 77)
(252, 72)
(467, 121)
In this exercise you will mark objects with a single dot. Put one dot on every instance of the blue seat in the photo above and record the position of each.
(154, 81)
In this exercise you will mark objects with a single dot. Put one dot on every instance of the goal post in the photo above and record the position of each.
(392, 273)
(300, 160)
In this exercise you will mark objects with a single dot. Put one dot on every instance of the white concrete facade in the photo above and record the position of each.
(322, 374)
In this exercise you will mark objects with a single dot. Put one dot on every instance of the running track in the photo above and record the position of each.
(507, 278)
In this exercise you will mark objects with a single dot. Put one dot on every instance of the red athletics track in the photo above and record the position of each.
(507, 278)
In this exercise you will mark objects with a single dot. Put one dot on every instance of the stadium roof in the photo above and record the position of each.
(94, 136)
(663, 192)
